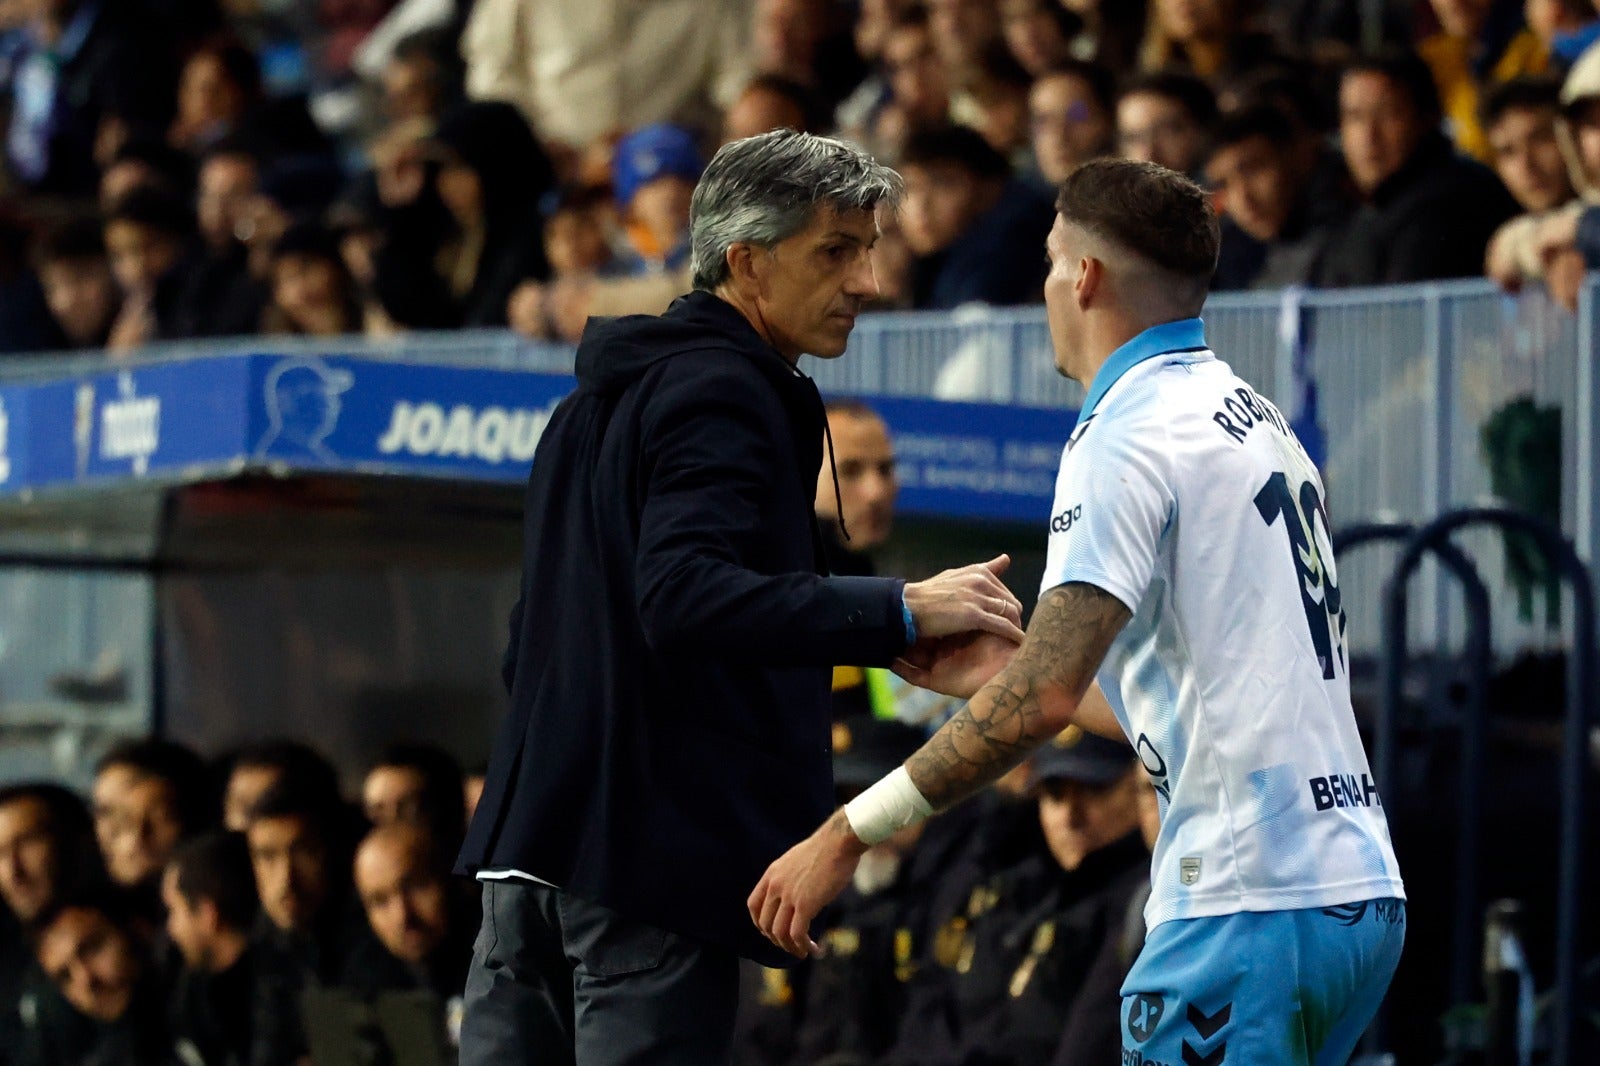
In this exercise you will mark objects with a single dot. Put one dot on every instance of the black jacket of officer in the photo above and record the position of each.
(670, 652)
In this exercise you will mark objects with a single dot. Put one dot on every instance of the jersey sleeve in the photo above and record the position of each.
(1113, 504)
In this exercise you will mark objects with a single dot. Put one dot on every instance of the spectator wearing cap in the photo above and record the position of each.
(210, 893)
(463, 230)
(653, 174)
(1568, 240)
(1071, 111)
(80, 61)
(1166, 118)
(72, 266)
(969, 223)
(1010, 979)
(1272, 234)
(581, 70)
(1520, 120)
(1423, 212)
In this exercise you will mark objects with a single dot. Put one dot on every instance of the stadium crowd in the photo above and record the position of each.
(180, 169)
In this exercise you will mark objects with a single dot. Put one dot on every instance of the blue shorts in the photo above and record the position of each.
(1289, 988)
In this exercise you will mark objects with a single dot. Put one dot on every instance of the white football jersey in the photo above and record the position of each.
(1186, 496)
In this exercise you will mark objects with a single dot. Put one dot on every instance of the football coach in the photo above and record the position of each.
(670, 654)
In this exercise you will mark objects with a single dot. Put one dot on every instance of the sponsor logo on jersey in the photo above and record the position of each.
(1189, 870)
(1344, 790)
(1144, 1014)
(1062, 523)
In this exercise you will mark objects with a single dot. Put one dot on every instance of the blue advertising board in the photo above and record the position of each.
(216, 416)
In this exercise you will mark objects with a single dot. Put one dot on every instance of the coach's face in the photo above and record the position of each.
(809, 288)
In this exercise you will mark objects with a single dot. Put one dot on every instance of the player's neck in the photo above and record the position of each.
(1103, 336)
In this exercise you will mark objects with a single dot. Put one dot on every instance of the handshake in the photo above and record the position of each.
(968, 626)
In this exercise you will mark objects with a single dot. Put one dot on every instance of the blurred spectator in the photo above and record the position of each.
(48, 850)
(222, 298)
(1004, 982)
(1568, 240)
(292, 189)
(998, 101)
(1519, 119)
(577, 234)
(864, 505)
(584, 69)
(346, 24)
(311, 292)
(1112, 31)
(964, 32)
(92, 955)
(1480, 44)
(299, 843)
(210, 894)
(420, 785)
(421, 940)
(919, 85)
(1272, 232)
(72, 265)
(1339, 27)
(1564, 27)
(145, 162)
(1211, 39)
(25, 320)
(807, 42)
(257, 768)
(219, 86)
(1165, 118)
(973, 228)
(422, 79)
(463, 229)
(1424, 211)
(148, 795)
(1039, 33)
(150, 240)
(653, 172)
(79, 60)
(770, 102)
(1070, 109)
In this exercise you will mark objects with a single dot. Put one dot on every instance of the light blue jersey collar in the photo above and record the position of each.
(1184, 335)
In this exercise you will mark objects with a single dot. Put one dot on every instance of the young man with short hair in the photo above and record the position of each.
(210, 892)
(1218, 644)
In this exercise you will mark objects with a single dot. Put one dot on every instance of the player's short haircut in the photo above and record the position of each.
(1185, 90)
(764, 189)
(1157, 214)
(1261, 120)
(1529, 93)
(1406, 71)
(962, 146)
(216, 867)
(1101, 83)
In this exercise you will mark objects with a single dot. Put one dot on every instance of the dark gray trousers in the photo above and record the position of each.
(561, 981)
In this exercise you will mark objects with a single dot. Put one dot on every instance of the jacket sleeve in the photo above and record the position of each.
(711, 442)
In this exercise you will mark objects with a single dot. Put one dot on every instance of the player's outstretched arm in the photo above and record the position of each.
(1029, 701)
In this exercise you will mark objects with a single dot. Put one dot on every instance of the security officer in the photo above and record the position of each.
(1035, 949)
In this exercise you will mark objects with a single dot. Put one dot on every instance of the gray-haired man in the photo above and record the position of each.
(670, 653)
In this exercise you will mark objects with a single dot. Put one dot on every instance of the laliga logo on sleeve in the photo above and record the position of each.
(1062, 523)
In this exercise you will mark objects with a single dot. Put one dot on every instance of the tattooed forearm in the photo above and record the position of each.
(1028, 702)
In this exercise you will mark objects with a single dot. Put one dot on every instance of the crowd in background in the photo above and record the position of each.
(180, 169)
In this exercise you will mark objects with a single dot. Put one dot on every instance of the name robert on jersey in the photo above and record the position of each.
(1239, 416)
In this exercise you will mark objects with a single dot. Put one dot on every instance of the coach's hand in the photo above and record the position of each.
(802, 881)
(971, 598)
(958, 665)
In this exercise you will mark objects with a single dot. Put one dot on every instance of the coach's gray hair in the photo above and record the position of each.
(762, 190)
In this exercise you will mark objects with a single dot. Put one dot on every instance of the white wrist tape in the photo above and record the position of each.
(887, 807)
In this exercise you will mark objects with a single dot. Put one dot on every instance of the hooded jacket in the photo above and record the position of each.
(669, 733)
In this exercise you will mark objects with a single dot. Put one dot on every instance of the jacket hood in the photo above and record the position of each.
(1583, 83)
(617, 351)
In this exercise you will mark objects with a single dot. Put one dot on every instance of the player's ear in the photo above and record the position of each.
(1091, 275)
